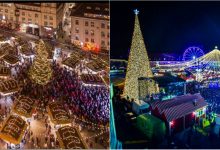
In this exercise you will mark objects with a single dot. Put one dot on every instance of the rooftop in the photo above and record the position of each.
(179, 106)
(91, 10)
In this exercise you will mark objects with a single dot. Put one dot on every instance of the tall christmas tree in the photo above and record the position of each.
(41, 72)
(138, 63)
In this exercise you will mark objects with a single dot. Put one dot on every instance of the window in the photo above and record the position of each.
(11, 18)
(51, 17)
(29, 19)
(92, 40)
(87, 40)
(108, 26)
(6, 10)
(86, 23)
(102, 34)
(92, 32)
(97, 8)
(77, 22)
(47, 4)
(23, 13)
(45, 23)
(51, 23)
(1, 10)
(36, 15)
(86, 32)
(23, 19)
(45, 16)
(92, 24)
(103, 43)
(77, 38)
(102, 25)
(88, 7)
(77, 30)
(29, 15)
(108, 35)
(106, 9)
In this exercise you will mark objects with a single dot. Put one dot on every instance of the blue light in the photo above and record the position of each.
(194, 57)
(136, 12)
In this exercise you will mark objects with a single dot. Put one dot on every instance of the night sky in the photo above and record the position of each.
(167, 27)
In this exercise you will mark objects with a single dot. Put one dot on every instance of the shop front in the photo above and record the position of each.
(48, 32)
(30, 29)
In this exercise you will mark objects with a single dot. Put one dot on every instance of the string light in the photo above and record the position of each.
(100, 126)
(13, 129)
(138, 63)
(209, 64)
(58, 114)
(24, 106)
(8, 87)
(41, 71)
(96, 135)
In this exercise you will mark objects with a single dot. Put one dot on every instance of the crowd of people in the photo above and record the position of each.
(87, 103)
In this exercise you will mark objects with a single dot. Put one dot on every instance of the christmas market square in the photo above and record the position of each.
(54, 75)
(165, 75)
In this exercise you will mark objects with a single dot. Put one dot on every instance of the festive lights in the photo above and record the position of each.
(24, 106)
(8, 87)
(70, 138)
(138, 63)
(41, 71)
(13, 129)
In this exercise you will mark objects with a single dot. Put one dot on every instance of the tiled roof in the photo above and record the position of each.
(179, 106)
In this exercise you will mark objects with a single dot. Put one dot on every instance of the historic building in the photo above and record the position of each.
(34, 18)
(90, 26)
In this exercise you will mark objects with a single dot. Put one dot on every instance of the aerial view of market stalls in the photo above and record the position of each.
(51, 97)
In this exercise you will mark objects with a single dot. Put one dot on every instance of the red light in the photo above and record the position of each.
(172, 123)
(194, 113)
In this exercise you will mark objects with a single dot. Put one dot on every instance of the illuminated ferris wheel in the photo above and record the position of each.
(192, 53)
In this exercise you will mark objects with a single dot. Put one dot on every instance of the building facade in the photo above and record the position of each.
(7, 14)
(40, 19)
(90, 26)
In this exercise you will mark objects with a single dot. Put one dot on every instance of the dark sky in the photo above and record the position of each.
(167, 27)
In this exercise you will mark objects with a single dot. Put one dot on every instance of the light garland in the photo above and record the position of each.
(41, 71)
(24, 106)
(8, 87)
(58, 113)
(96, 135)
(138, 63)
(88, 122)
(13, 126)
(69, 137)
(210, 63)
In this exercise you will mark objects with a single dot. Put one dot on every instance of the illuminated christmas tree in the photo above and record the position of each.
(41, 71)
(138, 64)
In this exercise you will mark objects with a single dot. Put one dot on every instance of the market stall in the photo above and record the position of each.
(91, 79)
(26, 50)
(5, 72)
(70, 138)
(58, 114)
(8, 87)
(24, 106)
(70, 63)
(96, 66)
(11, 59)
(13, 129)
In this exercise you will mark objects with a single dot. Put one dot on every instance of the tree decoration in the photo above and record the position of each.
(41, 71)
(138, 63)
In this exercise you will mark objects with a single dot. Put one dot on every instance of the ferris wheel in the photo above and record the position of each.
(192, 53)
